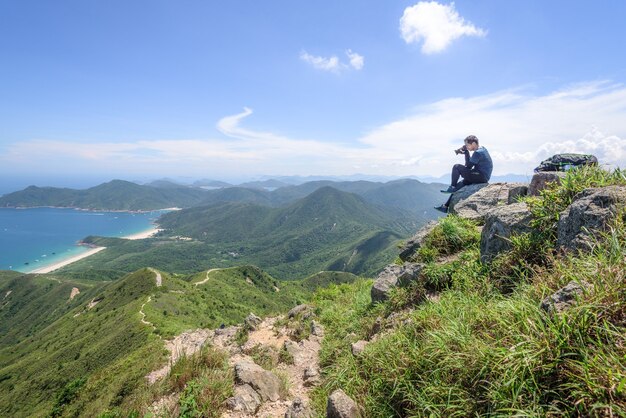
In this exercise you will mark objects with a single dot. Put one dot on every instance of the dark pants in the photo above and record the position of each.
(469, 177)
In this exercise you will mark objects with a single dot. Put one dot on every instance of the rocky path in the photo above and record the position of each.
(158, 278)
(207, 277)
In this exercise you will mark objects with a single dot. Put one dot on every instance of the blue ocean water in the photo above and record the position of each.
(37, 237)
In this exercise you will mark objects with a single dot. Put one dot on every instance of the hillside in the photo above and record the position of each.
(90, 354)
(114, 195)
(327, 230)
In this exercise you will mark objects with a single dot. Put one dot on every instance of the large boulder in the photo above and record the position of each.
(245, 400)
(416, 241)
(590, 213)
(541, 180)
(265, 383)
(300, 309)
(393, 276)
(252, 321)
(565, 297)
(501, 223)
(341, 405)
(477, 200)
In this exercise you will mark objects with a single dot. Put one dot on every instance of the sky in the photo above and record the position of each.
(238, 89)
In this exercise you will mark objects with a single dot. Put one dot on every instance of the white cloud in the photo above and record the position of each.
(356, 61)
(518, 128)
(436, 24)
(333, 64)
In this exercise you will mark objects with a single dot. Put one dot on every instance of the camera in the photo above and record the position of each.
(460, 150)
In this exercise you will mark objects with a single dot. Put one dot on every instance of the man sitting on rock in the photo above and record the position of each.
(477, 168)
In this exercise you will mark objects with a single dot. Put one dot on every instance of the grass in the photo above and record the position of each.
(486, 348)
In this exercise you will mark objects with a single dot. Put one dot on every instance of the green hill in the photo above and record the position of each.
(327, 230)
(92, 354)
(114, 195)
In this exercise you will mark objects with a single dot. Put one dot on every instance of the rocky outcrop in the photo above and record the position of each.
(565, 297)
(590, 213)
(416, 241)
(541, 180)
(501, 223)
(245, 400)
(317, 329)
(300, 309)
(252, 321)
(477, 200)
(265, 383)
(393, 276)
(341, 405)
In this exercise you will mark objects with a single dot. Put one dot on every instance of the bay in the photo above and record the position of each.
(37, 237)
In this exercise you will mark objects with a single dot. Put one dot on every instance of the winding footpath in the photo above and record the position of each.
(207, 277)
(159, 283)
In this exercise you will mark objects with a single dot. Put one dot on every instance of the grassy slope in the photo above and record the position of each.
(320, 232)
(485, 347)
(101, 355)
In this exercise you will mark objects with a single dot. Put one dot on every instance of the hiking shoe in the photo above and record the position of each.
(442, 208)
(450, 189)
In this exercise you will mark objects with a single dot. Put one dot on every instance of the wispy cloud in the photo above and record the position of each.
(519, 129)
(436, 24)
(333, 63)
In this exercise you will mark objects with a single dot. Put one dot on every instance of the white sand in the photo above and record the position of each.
(63, 263)
(144, 234)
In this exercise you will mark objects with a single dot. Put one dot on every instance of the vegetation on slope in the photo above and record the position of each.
(92, 355)
(481, 348)
(327, 230)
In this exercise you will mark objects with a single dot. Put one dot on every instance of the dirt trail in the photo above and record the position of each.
(159, 279)
(305, 356)
(207, 277)
(143, 315)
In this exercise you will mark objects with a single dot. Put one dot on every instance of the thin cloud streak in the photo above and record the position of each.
(518, 128)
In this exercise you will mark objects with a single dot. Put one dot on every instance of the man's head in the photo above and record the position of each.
(471, 142)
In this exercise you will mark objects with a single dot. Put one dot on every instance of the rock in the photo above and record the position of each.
(317, 329)
(298, 409)
(541, 180)
(517, 191)
(245, 400)
(292, 348)
(311, 376)
(358, 347)
(501, 223)
(477, 200)
(341, 405)
(252, 321)
(377, 326)
(416, 241)
(265, 383)
(589, 214)
(565, 297)
(393, 276)
(297, 310)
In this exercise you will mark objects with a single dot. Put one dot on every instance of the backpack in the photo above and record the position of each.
(565, 162)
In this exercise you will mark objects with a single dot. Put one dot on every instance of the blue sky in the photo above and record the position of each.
(235, 89)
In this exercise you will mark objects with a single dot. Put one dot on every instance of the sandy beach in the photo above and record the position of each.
(145, 234)
(63, 263)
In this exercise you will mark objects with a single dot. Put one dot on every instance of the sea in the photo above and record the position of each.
(38, 237)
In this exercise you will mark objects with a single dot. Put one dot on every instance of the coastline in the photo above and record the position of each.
(63, 263)
(92, 250)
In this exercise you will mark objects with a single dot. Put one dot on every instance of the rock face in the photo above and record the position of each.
(252, 321)
(565, 298)
(341, 405)
(297, 310)
(298, 409)
(477, 200)
(540, 181)
(245, 400)
(416, 241)
(589, 213)
(393, 276)
(501, 223)
(265, 383)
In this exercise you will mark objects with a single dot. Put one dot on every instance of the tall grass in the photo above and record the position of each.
(482, 351)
